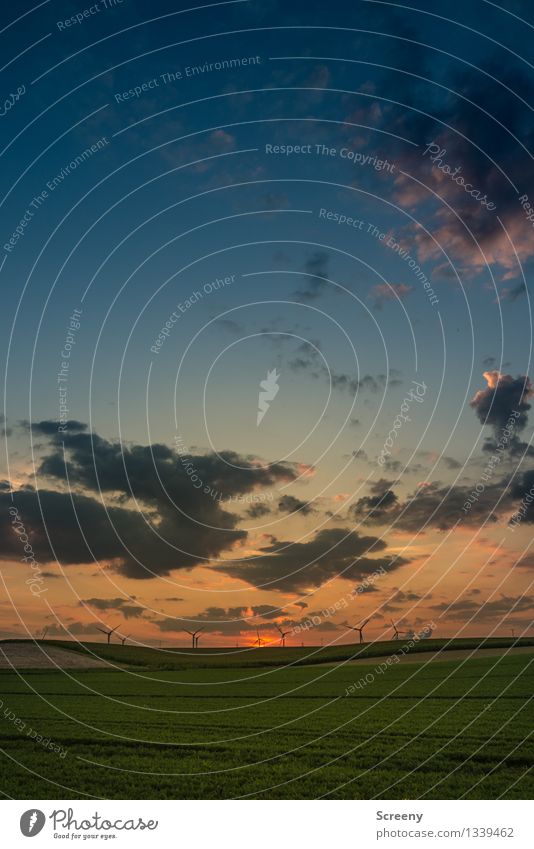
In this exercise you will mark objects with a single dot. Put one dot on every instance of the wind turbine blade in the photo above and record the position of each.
(101, 630)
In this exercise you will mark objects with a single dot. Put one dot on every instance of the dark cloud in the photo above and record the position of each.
(504, 396)
(377, 506)
(309, 360)
(180, 526)
(170, 598)
(76, 629)
(230, 621)
(405, 596)
(298, 567)
(523, 491)
(478, 132)
(129, 611)
(513, 293)
(290, 504)
(257, 511)
(50, 428)
(451, 463)
(487, 611)
(365, 588)
(433, 506)
(4, 430)
(433, 456)
(391, 465)
(313, 286)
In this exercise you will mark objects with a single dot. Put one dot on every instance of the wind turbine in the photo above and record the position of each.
(108, 632)
(259, 642)
(283, 635)
(395, 629)
(123, 639)
(193, 635)
(360, 629)
(196, 642)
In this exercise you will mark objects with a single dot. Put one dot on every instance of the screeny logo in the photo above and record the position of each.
(32, 822)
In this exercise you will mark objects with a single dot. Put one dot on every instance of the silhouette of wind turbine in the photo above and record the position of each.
(259, 642)
(108, 632)
(196, 641)
(123, 639)
(360, 628)
(193, 635)
(283, 635)
(396, 632)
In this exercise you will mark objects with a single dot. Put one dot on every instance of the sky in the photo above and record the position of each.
(266, 320)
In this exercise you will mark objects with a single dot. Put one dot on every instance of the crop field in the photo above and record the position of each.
(444, 729)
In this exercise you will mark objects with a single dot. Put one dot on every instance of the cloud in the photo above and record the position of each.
(523, 490)
(275, 200)
(378, 504)
(49, 427)
(431, 506)
(385, 292)
(170, 598)
(480, 145)
(513, 293)
(433, 457)
(487, 611)
(257, 511)
(309, 360)
(494, 406)
(4, 431)
(301, 566)
(180, 526)
(77, 629)
(313, 286)
(129, 611)
(290, 504)
(231, 621)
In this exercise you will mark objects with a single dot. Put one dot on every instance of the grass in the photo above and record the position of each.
(442, 730)
(231, 658)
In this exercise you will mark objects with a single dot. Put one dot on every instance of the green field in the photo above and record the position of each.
(230, 658)
(218, 725)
